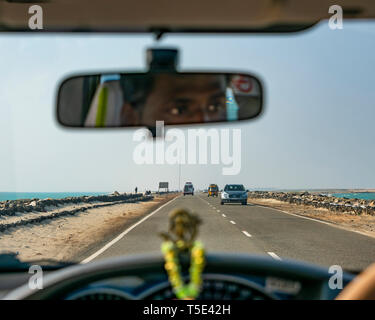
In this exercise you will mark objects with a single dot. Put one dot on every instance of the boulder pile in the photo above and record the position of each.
(12, 207)
(352, 206)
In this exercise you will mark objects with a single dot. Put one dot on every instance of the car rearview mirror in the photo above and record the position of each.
(141, 99)
(162, 94)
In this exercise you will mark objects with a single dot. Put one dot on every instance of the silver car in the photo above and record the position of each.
(234, 193)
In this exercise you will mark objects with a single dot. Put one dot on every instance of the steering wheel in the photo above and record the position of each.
(362, 287)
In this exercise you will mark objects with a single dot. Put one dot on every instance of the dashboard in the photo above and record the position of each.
(226, 277)
(215, 287)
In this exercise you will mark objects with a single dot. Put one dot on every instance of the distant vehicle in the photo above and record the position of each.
(234, 193)
(213, 190)
(188, 188)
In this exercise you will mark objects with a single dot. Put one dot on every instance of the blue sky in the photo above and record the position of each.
(317, 130)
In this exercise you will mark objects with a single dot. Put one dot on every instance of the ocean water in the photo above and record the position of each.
(358, 195)
(44, 195)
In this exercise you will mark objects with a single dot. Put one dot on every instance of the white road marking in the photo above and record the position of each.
(223, 215)
(204, 200)
(274, 255)
(119, 237)
(232, 222)
(246, 234)
(296, 215)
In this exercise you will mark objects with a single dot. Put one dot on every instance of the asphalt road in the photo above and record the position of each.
(250, 229)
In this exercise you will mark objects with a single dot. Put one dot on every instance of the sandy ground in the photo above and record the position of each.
(362, 223)
(68, 237)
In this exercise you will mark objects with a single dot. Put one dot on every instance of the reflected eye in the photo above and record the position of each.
(216, 107)
(212, 108)
(178, 110)
(174, 111)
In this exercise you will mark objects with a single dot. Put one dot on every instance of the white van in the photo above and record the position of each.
(188, 189)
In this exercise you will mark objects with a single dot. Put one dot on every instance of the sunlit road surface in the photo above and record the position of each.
(249, 229)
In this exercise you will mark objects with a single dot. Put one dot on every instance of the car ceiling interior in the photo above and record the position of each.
(177, 15)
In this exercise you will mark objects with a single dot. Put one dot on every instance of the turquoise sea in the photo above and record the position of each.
(358, 195)
(44, 195)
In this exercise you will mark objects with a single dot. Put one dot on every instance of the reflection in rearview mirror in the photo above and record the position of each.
(126, 100)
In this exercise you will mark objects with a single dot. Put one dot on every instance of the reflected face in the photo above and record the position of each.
(179, 99)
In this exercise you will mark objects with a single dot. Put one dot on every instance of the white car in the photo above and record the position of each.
(235, 193)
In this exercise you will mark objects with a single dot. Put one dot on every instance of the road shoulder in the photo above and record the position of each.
(363, 224)
(72, 238)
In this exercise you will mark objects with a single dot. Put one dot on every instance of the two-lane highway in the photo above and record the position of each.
(249, 229)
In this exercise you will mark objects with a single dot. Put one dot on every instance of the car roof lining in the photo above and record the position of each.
(191, 16)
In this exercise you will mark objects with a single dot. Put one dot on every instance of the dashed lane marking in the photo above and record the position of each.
(246, 234)
(274, 255)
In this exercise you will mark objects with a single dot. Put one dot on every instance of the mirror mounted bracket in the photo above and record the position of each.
(153, 132)
(162, 60)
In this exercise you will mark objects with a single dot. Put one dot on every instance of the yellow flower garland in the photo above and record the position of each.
(172, 266)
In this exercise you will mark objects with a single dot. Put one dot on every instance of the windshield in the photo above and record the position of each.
(234, 187)
(65, 192)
